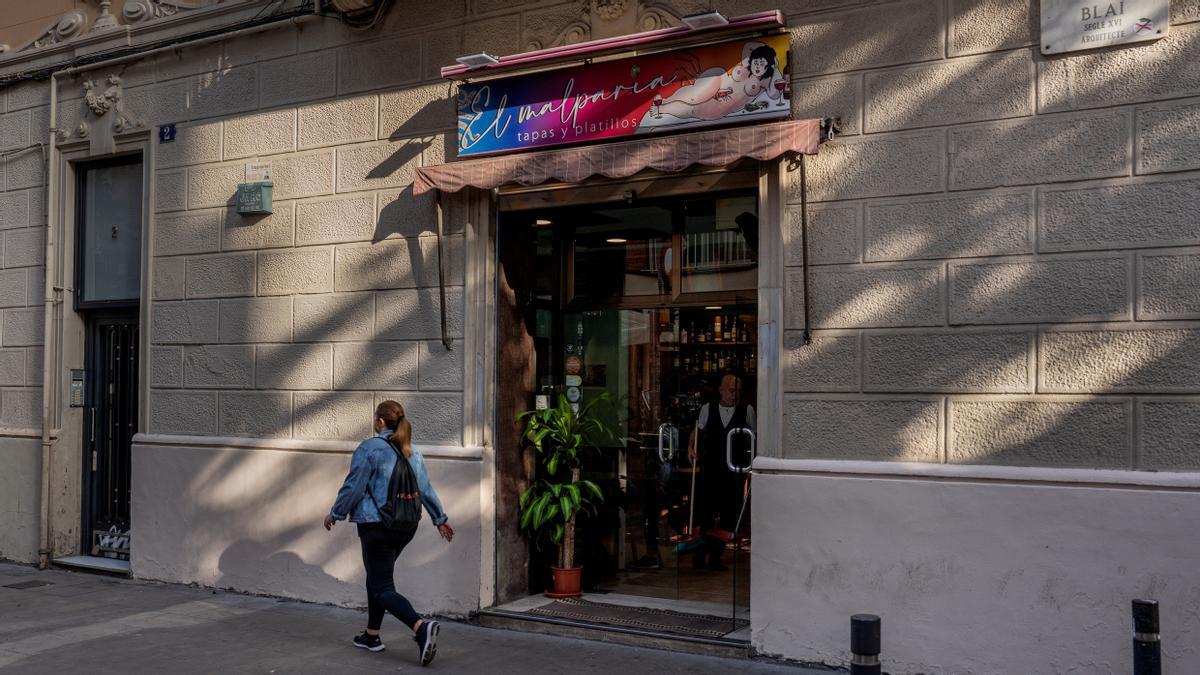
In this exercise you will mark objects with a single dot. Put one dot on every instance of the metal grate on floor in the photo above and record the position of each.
(646, 618)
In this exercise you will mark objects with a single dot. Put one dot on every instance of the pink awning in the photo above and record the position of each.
(716, 147)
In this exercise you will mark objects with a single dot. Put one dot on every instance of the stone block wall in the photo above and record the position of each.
(1004, 245)
(295, 324)
(22, 270)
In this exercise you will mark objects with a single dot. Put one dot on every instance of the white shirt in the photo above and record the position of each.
(726, 412)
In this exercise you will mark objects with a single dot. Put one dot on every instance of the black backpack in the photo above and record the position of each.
(402, 510)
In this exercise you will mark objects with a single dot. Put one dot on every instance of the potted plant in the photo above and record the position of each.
(560, 434)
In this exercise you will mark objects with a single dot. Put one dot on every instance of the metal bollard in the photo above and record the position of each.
(864, 645)
(1147, 649)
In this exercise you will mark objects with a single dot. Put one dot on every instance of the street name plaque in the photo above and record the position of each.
(1074, 25)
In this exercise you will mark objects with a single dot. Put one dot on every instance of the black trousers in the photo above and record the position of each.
(380, 549)
(720, 498)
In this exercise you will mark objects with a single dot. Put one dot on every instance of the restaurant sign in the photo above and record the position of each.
(735, 82)
(1072, 25)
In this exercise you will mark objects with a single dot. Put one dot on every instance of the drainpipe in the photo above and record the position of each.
(53, 289)
(48, 344)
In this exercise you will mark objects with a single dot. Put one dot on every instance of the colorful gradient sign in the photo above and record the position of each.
(736, 82)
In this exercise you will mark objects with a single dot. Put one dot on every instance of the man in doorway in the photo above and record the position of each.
(722, 491)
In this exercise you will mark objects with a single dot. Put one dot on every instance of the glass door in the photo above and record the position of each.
(673, 524)
(624, 353)
(653, 303)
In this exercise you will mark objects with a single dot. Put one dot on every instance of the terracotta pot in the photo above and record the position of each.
(565, 582)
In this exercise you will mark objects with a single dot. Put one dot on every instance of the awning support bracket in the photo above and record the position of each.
(447, 341)
(830, 128)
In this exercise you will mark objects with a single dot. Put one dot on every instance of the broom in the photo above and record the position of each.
(691, 542)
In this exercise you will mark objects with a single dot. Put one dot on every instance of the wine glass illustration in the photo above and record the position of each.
(781, 87)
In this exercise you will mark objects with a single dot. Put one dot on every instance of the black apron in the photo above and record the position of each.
(720, 497)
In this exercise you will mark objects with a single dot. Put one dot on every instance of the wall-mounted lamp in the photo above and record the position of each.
(478, 60)
(616, 240)
(705, 20)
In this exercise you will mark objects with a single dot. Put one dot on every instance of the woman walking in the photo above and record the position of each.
(362, 497)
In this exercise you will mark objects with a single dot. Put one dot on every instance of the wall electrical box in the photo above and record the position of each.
(254, 198)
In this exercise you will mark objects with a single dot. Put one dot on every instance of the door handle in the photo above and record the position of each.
(92, 436)
(739, 431)
(666, 452)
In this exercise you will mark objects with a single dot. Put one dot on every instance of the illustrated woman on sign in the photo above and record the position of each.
(716, 92)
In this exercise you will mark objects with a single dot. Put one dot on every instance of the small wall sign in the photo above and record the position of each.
(1074, 25)
(166, 133)
(257, 172)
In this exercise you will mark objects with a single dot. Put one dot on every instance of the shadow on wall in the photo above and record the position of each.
(1017, 287)
(250, 521)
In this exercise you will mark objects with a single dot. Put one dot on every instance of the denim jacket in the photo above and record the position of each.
(366, 485)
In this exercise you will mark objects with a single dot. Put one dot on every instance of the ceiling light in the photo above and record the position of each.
(616, 240)
(713, 307)
(541, 221)
(478, 60)
(705, 20)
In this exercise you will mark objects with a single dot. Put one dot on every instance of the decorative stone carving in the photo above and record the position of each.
(138, 11)
(594, 19)
(125, 122)
(75, 22)
(653, 16)
(558, 26)
(69, 25)
(609, 10)
(105, 21)
(101, 103)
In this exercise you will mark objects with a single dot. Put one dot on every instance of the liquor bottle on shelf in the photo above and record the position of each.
(743, 333)
(728, 327)
(701, 335)
(717, 327)
(683, 335)
(753, 362)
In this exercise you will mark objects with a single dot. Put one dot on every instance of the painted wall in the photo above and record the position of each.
(249, 519)
(973, 577)
(20, 489)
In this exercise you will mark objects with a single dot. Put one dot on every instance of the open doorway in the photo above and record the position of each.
(654, 302)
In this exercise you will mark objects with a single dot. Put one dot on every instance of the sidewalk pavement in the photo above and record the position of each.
(85, 623)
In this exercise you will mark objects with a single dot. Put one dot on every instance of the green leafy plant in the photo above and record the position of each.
(560, 435)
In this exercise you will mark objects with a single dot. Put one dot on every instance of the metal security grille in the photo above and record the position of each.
(113, 423)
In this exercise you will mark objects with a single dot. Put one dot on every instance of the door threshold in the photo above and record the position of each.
(518, 616)
(95, 564)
